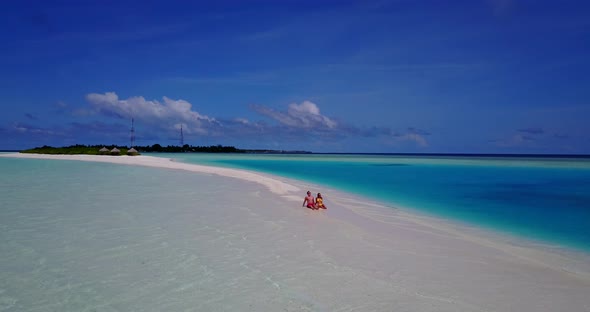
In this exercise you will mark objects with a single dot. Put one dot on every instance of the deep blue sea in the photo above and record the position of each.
(542, 199)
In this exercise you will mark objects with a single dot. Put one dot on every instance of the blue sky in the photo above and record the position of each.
(477, 76)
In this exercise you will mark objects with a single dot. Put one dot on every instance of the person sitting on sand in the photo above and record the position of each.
(309, 200)
(319, 202)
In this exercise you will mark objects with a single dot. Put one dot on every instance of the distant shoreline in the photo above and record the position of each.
(115, 150)
(263, 151)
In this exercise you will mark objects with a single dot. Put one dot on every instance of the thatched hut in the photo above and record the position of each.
(103, 151)
(132, 152)
(115, 151)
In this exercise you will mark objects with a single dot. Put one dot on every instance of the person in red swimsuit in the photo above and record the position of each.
(309, 200)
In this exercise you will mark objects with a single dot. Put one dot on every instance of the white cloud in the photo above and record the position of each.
(304, 115)
(309, 114)
(168, 114)
(417, 138)
(293, 124)
(242, 120)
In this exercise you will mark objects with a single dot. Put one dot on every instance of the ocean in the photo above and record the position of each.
(545, 199)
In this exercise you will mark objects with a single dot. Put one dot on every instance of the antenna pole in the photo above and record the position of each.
(181, 136)
(132, 132)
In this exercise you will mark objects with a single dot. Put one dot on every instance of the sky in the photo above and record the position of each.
(375, 76)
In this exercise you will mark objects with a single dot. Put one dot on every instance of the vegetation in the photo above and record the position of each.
(156, 148)
(73, 149)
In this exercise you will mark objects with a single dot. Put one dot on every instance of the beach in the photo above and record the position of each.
(237, 240)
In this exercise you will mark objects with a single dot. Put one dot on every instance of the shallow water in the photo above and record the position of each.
(545, 199)
(83, 236)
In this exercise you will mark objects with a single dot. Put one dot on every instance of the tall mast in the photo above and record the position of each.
(181, 136)
(132, 132)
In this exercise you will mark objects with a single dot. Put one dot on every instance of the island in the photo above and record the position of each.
(116, 150)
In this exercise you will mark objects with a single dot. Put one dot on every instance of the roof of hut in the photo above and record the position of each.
(115, 150)
(132, 150)
(104, 149)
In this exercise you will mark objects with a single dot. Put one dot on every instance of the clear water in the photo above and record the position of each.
(83, 236)
(544, 199)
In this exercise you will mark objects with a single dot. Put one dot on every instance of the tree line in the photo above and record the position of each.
(156, 148)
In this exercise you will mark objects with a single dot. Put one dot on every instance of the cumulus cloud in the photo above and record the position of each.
(419, 139)
(242, 121)
(305, 118)
(245, 124)
(305, 115)
(411, 134)
(157, 120)
(308, 113)
(166, 114)
(415, 135)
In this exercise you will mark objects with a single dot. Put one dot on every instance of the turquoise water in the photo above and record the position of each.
(84, 236)
(545, 199)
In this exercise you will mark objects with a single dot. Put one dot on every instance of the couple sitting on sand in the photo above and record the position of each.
(312, 203)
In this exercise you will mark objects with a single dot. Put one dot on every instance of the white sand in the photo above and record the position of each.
(361, 256)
